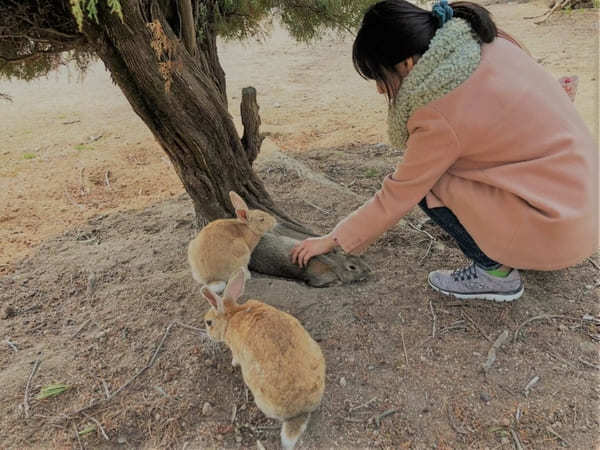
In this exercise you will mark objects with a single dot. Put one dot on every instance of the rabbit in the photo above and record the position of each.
(281, 364)
(224, 246)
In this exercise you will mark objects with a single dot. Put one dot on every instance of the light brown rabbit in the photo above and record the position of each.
(281, 364)
(224, 246)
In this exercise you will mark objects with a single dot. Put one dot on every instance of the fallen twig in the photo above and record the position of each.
(26, 398)
(99, 426)
(561, 359)
(594, 263)
(12, 345)
(420, 263)
(434, 317)
(531, 383)
(324, 211)
(233, 414)
(80, 329)
(71, 122)
(77, 436)
(542, 316)
(558, 5)
(589, 364)
(364, 405)
(268, 427)
(84, 190)
(420, 230)
(106, 391)
(404, 345)
(383, 415)
(353, 420)
(516, 439)
(554, 433)
(106, 180)
(491, 358)
(80, 206)
(477, 327)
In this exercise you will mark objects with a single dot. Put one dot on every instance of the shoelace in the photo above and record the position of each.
(466, 272)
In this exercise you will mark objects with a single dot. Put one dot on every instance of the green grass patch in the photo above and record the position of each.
(52, 390)
(371, 172)
(28, 155)
(87, 430)
(82, 147)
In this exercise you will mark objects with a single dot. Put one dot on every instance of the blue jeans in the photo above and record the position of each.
(446, 219)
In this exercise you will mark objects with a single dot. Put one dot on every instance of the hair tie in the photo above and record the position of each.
(442, 11)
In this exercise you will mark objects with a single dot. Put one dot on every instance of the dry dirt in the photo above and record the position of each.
(94, 273)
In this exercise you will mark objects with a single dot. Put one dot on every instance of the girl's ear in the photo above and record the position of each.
(212, 298)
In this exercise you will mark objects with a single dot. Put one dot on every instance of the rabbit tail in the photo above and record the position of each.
(292, 429)
(217, 286)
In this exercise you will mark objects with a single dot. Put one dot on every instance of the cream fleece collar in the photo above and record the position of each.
(453, 55)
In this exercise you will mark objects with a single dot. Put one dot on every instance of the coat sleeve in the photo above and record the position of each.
(432, 148)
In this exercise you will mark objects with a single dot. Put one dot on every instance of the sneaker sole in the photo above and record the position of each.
(500, 298)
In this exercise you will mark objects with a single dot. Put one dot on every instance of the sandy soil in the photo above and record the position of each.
(95, 272)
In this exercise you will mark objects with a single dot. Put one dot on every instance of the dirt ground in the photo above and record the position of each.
(94, 227)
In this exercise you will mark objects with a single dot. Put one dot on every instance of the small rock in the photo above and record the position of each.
(371, 367)
(505, 422)
(563, 327)
(485, 397)
(8, 312)
(206, 408)
(238, 439)
(343, 382)
(589, 287)
(208, 362)
(121, 440)
(220, 437)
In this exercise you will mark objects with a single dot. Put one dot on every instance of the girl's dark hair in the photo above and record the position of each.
(394, 30)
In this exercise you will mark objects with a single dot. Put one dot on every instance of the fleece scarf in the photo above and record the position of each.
(453, 55)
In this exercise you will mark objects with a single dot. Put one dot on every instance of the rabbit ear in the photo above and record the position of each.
(212, 298)
(235, 286)
(241, 209)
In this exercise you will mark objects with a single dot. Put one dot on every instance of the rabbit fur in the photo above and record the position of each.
(224, 246)
(281, 364)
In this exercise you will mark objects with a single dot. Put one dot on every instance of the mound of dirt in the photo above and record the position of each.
(404, 365)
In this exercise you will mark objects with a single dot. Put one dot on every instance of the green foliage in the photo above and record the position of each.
(42, 64)
(91, 8)
(305, 19)
(371, 172)
(81, 147)
(28, 155)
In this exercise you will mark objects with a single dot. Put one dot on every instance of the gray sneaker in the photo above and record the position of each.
(473, 282)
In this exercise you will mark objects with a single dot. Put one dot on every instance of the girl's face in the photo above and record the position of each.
(395, 78)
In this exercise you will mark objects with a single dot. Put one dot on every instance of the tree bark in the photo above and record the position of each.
(182, 99)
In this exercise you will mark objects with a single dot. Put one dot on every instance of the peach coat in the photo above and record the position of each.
(508, 153)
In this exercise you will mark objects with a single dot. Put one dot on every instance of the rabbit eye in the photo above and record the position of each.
(208, 323)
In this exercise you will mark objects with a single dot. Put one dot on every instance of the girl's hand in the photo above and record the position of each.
(305, 250)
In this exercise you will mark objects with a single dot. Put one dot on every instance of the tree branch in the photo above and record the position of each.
(188, 28)
(251, 140)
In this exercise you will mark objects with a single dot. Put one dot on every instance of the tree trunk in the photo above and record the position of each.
(182, 99)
